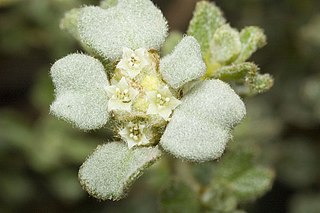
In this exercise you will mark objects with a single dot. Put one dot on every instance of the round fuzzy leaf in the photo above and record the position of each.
(225, 45)
(252, 38)
(79, 82)
(130, 23)
(207, 18)
(184, 64)
(200, 126)
(252, 183)
(113, 167)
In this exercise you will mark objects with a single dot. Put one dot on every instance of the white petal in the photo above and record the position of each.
(174, 103)
(123, 132)
(141, 52)
(133, 92)
(111, 90)
(127, 52)
(144, 140)
(123, 84)
(165, 112)
(144, 56)
(152, 109)
(133, 24)
(133, 73)
(165, 91)
(80, 83)
(113, 81)
(131, 144)
(122, 65)
(184, 64)
(115, 104)
(132, 69)
(151, 96)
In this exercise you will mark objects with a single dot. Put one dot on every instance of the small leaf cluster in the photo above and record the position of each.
(226, 50)
(219, 186)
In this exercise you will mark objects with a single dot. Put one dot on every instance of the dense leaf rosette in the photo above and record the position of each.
(145, 95)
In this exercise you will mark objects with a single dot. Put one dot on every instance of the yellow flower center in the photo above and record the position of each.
(162, 100)
(124, 95)
(135, 133)
(134, 61)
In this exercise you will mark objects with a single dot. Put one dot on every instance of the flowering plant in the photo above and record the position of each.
(175, 104)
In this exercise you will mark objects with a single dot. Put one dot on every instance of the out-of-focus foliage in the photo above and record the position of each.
(240, 176)
(32, 25)
(310, 32)
(305, 203)
(172, 40)
(178, 196)
(39, 154)
(47, 148)
(286, 121)
(7, 2)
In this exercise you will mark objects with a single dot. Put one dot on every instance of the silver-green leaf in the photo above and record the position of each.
(236, 71)
(80, 82)
(184, 64)
(252, 38)
(200, 127)
(252, 183)
(225, 45)
(132, 24)
(207, 18)
(113, 167)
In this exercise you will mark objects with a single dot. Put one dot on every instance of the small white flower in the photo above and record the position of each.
(162, 102)
(134, 61)
(121, 96)
(134, 134)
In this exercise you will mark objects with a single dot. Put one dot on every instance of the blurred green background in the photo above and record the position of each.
(40, 155)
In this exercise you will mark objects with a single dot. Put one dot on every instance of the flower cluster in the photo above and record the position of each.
(137, 91)
(154, 102)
